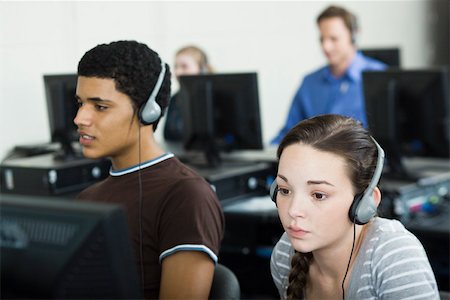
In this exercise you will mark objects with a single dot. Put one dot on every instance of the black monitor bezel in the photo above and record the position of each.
(386, 91)
(201, 116)
(62, 108)
(56, 265)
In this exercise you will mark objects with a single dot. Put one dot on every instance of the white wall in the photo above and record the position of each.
(279, 40)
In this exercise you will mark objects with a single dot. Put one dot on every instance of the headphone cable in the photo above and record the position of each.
(350, 259)
(141, 204)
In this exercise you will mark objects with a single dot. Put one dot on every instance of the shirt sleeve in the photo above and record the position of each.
(192, 220)
(401, 269)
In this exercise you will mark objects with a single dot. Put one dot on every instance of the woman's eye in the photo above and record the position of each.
(101, 107)
(284, 191)
(319, 196)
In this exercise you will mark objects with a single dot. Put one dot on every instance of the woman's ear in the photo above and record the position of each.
(376, 196)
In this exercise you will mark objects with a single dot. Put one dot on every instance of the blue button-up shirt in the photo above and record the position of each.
(322, 93)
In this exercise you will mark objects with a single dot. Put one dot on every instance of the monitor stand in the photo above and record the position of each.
(398, 171)
(207, 158)
(212, 156)
(67, 152)
(396, 168)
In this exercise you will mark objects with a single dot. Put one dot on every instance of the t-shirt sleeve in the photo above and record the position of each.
(191, 220)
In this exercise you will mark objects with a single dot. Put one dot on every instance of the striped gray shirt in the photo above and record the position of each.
(391, 264)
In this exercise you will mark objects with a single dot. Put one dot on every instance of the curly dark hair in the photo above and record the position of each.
(342, 136)
(133, 66)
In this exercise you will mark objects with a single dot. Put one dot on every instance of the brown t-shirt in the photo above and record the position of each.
(180, 212)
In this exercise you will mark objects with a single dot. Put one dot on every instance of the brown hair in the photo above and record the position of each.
(342, 136)
(349, 19)
(199, 55)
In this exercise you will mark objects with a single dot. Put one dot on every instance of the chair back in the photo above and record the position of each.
(225, 284)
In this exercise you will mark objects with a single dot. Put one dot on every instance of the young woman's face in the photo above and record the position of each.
(315, 194)
(185, 64)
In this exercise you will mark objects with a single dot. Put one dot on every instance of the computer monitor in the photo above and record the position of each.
(408, 113)
(220, 114)
(55, 248)
(389, 56)
(62, 108)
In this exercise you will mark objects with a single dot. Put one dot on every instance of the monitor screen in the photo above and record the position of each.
(220, 113)
(62, 108)
(408, 113)
(55, 248)
(389, 56)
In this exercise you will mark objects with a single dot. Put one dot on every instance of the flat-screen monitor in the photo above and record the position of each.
(220, 113)
(408, 113)
(62, 108)
(55, 248)
(390, 56)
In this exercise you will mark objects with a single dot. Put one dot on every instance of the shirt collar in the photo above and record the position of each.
(353, 71)
(141, 165)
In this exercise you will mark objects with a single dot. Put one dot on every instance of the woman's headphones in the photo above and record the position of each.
(363, 207)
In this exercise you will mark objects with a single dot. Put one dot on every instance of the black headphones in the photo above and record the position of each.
(363, 207)
(150, 111)
(353, 28)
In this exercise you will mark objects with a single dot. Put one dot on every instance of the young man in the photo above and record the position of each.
(176, 222)
(337, 87)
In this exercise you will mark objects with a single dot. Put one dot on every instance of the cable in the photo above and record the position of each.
(141, 205)
(350, 259)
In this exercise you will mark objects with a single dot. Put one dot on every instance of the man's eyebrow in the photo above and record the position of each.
(311, 182)
(94, 99)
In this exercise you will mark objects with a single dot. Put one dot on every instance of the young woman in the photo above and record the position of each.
(334, 245)
(189, 60)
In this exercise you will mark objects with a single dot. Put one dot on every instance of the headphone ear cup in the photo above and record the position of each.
(273, 191)
(363, 208)
(149, 112)
(354, 207)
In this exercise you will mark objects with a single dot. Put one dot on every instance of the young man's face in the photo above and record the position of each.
(106, 121)
(336, 41)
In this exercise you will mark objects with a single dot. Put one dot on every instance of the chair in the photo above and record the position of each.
(390, 56)
(225, 284)
(445, 295)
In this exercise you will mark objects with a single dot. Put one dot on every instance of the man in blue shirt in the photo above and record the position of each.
(337, 87)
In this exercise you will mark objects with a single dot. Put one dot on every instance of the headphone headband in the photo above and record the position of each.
(363, 207)
(379, 168)
(151, 111)
(158, 82)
